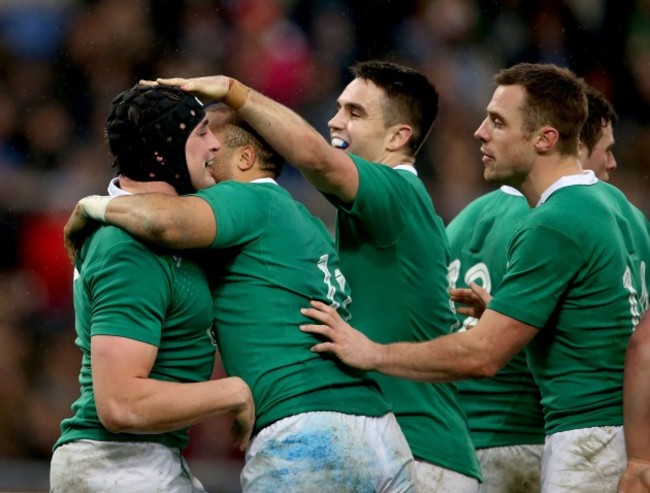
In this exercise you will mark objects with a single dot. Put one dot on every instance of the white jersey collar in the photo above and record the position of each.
(264, 180)
(587, 177)
(511, 190)
(407, 167)
(114, 189)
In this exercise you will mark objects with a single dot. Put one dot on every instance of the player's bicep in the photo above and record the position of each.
(117, 363)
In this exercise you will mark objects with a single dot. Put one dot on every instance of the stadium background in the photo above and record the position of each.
(62, 61)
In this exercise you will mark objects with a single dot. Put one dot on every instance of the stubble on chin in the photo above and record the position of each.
(490, 175)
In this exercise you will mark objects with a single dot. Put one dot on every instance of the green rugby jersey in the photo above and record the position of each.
(506, 409)
(124, 288)
(395, 254)
(270, 258)
(579, 263)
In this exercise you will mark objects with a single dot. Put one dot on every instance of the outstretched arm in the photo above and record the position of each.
(174, 222)
(329, 169)
(636, 411)
(476, 353)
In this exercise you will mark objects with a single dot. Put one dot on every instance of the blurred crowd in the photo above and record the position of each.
(62, 61)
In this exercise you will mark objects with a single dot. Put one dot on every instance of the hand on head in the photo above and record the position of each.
(211, 88)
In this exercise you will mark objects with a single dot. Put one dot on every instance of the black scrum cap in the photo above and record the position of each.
(147, 129)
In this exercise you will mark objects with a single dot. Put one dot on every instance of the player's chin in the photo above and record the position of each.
(489, 175)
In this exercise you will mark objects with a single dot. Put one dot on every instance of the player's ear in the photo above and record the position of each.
(547, 138)
(247, 157)
(399, 136)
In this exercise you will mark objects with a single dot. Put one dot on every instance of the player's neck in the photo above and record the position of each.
(544, 174)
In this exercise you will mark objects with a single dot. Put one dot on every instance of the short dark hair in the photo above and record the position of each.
(601, 113)
(239, 133)
(410, 97)
(554, 96)
(147, 129)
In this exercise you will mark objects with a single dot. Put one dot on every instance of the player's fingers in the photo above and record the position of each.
(480, 292)
(318, 315)
(323, 312)
(464, 298)
(172, 81)
(465, 310)
(323, 347)
(319, 305)
(71, 251)
(462, 292)
(237, 435)
(324, 330)
(147, 83)
(243, 439)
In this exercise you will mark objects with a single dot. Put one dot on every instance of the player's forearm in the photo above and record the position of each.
(154, 406)
(287, 132)
(443, 359)
(150, 217)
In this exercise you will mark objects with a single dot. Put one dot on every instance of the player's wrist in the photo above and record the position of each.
(237, 94)
(379, 357)
(94, 207)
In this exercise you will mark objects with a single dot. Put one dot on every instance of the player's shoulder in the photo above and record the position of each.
(112, 242)
(494, 204)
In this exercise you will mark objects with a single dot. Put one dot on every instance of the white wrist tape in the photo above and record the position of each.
(94, 206)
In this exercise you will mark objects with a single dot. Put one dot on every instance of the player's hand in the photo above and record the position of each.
(635, 478)
(473, 300)
(212, 88)
(348, 344)
(147, 83)
(244, 419)
(75, 232)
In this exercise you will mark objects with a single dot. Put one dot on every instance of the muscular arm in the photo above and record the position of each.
(174, 222)
(476, 353)
(329, 169)
(636, 410)
(129, 401)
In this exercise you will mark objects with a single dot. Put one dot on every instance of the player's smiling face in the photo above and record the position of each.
(223, 164)
(200, 151)
(508, 152)
(359, 126)
(225, 161)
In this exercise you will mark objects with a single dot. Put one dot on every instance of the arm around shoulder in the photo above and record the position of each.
(173, 222)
